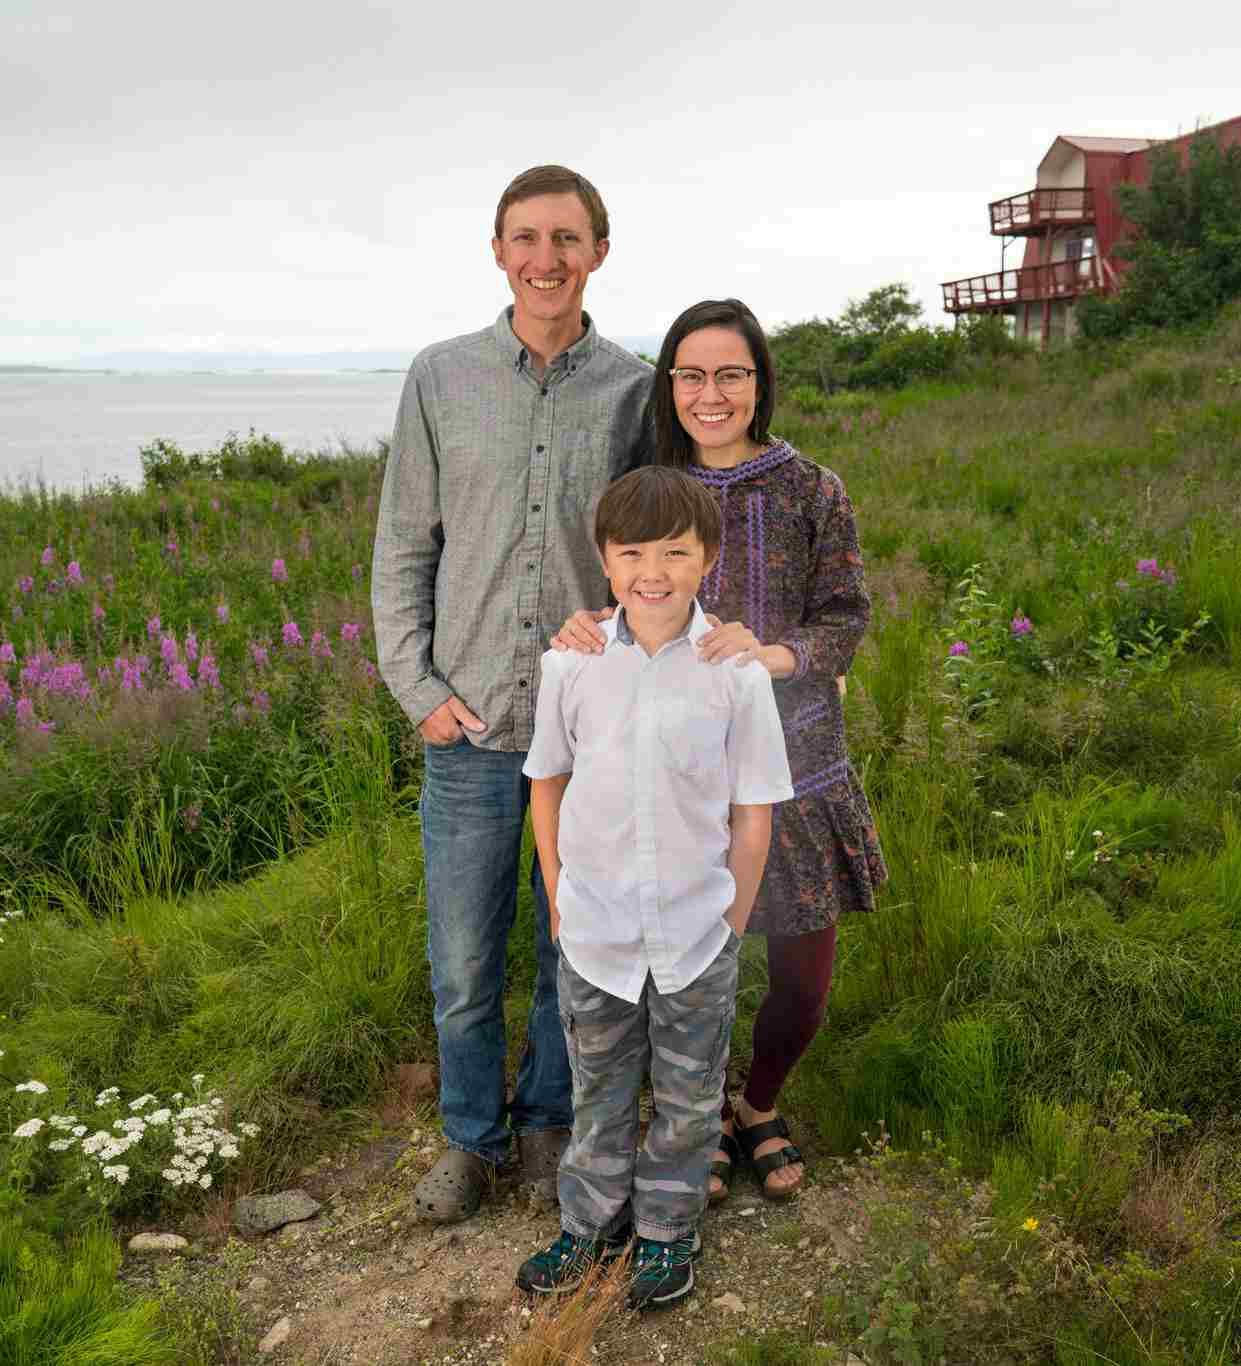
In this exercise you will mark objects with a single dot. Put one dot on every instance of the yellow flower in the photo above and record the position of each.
(1030, 1225)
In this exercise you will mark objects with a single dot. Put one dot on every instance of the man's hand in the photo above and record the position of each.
(581, 634)
(447, 721)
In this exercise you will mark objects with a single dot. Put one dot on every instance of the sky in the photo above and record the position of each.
(278, 177)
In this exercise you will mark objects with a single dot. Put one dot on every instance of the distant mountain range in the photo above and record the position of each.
(247, 362)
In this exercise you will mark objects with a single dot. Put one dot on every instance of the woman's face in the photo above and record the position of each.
(718, 423)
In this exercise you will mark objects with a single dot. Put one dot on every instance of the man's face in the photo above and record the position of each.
(655, 581)
(548, 252)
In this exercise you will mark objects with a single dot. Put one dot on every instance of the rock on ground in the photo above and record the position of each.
(278, 1333)
(262, 1213)
(158, 1243)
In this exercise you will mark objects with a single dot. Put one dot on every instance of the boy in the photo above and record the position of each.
(652, 777)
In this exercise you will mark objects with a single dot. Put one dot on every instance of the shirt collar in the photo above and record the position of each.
(616, 628)
(514, 351)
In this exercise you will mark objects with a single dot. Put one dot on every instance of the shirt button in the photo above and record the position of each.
(536, 507)
(543, 393)
(527, 624)
(521, 682)
(540, 449)
(530, 564)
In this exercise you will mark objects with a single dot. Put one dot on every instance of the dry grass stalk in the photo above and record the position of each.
(563, 1331)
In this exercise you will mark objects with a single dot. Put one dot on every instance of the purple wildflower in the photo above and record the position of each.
(25, 711)
(73, 572)
(153, 625)
(47, 727)
(958, 648)
(97, 612)
(181, 677)
(279, 574)
(356, 571)
(18, 614)
(215, 505)
(290, 634)
(8, 655)
(172, 549)
(191, 646)
(48, 558)
(169, 650)
(1122, 585)
(54, 586)
(319, 646)
(221, 613)
(208, 672)
(1022, 625)
(109, 583)
(26, 583)
(6, 694)
(350, 631)
(259, 652)
(260, 700)
(1149, 568)
(1168, 575)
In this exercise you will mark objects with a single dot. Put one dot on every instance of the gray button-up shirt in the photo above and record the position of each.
(483, 544)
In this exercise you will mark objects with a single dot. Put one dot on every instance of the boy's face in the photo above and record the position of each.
(655, 581)
(548, 252)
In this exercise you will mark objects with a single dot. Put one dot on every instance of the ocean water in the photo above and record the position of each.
(71, 430)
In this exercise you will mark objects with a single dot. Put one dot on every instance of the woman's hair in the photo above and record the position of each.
(555, 180)
(654, 503)
(672, 444)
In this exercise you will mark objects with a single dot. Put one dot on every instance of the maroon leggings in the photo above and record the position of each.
(799, 975)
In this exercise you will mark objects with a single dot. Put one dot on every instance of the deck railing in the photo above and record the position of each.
(1026, 284)
(1040, 208)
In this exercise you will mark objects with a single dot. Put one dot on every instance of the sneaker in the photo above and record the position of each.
(560, 1268)
(664, 1272)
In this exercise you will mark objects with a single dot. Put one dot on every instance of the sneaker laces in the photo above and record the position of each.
(655, 1260)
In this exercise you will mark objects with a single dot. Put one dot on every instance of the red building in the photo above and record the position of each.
(1072, 225)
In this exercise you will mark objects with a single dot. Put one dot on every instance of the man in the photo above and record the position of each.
(504, 438)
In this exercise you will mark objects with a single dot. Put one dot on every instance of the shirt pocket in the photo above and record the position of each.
(584, 467)
(694, 734)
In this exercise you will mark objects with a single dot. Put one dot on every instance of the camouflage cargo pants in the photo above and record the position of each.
(682, 1040)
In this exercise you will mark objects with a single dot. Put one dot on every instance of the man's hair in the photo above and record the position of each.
(673, 444)
(655, 503)
(555, 180)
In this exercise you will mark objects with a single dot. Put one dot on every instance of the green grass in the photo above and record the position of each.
(1018, 963)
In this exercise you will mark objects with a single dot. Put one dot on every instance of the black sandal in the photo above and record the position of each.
(750, 1138)
(722, 1168)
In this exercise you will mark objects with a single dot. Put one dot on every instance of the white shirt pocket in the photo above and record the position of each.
(694, 733)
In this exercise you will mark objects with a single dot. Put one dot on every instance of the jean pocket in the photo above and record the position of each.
(694, 733)
(448, 748)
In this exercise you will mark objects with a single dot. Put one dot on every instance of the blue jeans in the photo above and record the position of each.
(473, 809)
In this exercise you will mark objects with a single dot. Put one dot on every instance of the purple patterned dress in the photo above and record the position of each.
(791, 570)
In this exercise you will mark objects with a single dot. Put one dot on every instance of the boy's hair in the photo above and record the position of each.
(555, 180)
(656, 503)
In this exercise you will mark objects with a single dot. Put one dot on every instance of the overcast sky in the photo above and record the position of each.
(276, 176)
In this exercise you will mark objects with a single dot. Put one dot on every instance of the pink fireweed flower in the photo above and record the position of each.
(260, 700)
(279, 574)
(215, 505)
(169, 650)
(191, 646)
(221, 613)
(1149, 568)
(54, 586)
(18, 614)
(8, 655)
(153, 625)
(319, 646)
(6, 695)
(958, 648)
(109, 582)
(48, 558)
(356, 571)
(181, 677)
(259, 654)
(1022, 625)
(26, 584)
(47, 727)
(73, 572)
(208, 672)
(1168, 575)
(291, 635)
(350, 631)
(98, 613)
(25, 711)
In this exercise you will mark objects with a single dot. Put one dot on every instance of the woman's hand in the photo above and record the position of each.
(736, 641)
(580, 632)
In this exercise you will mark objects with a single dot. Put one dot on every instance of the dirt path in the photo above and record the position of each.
(366, 1282)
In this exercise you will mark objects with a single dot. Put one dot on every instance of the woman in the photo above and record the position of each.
(788, 583)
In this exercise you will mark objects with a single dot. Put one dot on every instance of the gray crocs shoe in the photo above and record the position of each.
(453, 1189)
(540, 1154)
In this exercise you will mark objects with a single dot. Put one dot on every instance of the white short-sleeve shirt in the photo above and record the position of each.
(659, 747)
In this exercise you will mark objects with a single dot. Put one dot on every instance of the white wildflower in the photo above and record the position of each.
(79, 1130)
(157, 1117)
(119, 1174)
(205, 1180)
(107, 1096)
(141, 1101)
(36, 1088)
(198, 1078)
(229, 1150)
(62, 1121)
(60, 1145)
(29, 1129)
(250, 1130)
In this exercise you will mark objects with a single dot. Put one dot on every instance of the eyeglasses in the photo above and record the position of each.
(728, 378)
